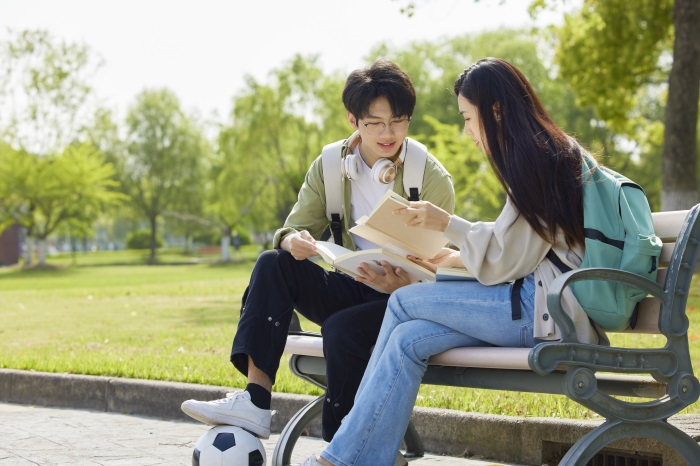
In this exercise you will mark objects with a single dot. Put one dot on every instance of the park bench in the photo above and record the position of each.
(594, 376)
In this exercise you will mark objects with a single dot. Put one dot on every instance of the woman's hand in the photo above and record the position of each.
(445, 258)
(301, 245)
(425, 215)
(390, 281)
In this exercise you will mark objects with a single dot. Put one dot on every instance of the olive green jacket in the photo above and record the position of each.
(309, 212)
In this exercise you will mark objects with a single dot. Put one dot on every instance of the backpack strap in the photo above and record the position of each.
(331, 160)
(516, 309)
(558, 263)
(414, 167)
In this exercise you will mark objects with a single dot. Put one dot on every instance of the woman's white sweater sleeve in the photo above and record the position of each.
(500, 251)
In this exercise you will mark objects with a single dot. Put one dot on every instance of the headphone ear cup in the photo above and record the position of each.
(383, 171)
(350, 167)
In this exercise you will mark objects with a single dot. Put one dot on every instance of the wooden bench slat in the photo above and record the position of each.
(485, 357)
(668, 224)
(304, 344)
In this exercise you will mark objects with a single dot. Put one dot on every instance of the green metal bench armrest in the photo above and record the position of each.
(557, 287)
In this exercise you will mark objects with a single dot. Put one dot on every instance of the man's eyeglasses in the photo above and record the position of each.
(395, 126)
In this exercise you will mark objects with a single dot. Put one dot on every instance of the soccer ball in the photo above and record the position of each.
(228, 446)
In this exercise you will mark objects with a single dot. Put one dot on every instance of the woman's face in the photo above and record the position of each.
(472, 122)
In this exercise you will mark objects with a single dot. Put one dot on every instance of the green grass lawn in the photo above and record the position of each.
(106, 313)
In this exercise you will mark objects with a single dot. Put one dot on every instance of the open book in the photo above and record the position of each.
(348, 261)
(448, 274)
(384, 228)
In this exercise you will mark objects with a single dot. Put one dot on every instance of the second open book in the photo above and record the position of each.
(397, 240)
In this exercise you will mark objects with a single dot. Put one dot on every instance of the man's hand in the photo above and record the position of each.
(423, 214)
(445, 258)
(300, 245)
(390, 281)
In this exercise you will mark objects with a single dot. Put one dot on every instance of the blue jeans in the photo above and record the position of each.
(422, 320)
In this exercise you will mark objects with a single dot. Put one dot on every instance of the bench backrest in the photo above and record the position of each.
(667, 226)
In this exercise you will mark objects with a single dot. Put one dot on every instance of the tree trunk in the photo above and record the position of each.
(679, 189)
(225, 243)
(42, 250)
(28, 250)
(154, 227)
(188, 243)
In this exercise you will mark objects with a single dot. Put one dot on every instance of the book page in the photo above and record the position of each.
(373, 257)
(387, 242)
(330, 251)
(385, 228)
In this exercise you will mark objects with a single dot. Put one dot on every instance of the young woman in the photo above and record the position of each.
(539, 166)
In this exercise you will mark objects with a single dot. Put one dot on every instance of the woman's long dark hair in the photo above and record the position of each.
(538, 165)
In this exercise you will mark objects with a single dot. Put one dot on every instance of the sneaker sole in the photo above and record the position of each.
(217, 419)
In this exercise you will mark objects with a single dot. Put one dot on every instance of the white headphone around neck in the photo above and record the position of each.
(383, 170)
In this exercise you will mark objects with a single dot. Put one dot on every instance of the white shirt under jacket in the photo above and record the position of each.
(508, 249)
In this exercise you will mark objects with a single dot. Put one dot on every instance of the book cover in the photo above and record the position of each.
(448, 274)
(348, 261)
(390, 231)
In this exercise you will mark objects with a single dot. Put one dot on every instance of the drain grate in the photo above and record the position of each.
(623, 459)
(553, 452)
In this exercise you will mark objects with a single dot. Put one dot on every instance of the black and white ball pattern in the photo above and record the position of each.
(228, 446)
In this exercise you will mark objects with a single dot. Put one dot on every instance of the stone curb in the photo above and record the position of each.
(455, 433)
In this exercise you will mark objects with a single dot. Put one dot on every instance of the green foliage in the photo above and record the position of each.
(276, 131)
(617, 59)
(141, 239)
(214, 238)
(45, 90)
(42, 193)
(164, 166)
(610, 54)
(478, 195)
(17, 187)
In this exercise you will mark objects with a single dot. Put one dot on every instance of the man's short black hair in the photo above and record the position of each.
(382, 79)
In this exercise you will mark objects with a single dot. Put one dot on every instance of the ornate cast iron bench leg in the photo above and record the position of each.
(585, 449)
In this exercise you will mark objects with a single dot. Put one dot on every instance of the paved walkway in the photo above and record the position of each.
(58, 436)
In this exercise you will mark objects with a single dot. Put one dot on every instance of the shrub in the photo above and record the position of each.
(141, 239)
(214, 238)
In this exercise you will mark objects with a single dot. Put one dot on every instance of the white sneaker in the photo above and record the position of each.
(310, 461)
(234, 410)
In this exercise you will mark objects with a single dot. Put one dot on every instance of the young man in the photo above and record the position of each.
(379, 101)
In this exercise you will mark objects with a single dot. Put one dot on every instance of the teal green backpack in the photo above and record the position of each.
(619, 234)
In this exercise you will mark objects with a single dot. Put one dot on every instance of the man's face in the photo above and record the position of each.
(382, 133)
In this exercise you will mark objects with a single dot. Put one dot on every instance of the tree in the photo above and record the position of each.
(164, 160)
(238, 181)
(44, 90)
(681, 122)
(276, 130)
(617, 58)
(44, 193)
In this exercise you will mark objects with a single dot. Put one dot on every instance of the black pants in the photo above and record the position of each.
(349, 312)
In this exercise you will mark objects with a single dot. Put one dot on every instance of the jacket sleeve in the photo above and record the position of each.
(500, 251)
(309, 212)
